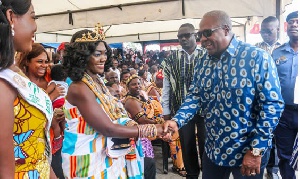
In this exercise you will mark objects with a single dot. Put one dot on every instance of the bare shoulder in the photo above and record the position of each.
(10, 91)
(79, 92)
(132, 103)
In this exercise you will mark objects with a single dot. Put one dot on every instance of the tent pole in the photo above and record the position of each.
(183, 8)
(278, 7)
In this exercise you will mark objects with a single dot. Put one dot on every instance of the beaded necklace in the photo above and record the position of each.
(108, 102)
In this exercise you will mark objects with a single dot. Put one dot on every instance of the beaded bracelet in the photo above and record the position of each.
(131, 123)
(139, 115)
(147, 131)
(56, 138)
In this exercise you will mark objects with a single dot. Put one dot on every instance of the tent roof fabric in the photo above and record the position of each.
(136, 20)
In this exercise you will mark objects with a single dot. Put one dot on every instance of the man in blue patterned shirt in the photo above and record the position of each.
(236, 87)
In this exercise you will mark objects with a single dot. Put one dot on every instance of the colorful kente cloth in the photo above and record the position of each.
(85, 151)
(32, 107)
(151, 86)
(153, 111)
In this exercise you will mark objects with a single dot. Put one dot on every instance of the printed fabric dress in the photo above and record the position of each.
(33, 114)
(85, 153)
(152, 109)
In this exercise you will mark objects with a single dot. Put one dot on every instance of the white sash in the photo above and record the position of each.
(30, 92)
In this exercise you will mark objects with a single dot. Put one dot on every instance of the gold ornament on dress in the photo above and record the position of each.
(97, 34)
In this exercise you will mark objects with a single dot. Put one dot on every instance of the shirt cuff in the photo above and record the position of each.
(179, 124)
(262, 144)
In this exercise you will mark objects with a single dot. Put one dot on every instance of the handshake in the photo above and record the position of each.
(166, 130)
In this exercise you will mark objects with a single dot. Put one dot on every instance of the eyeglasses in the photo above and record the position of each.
(186, 35)
(266, 31)
(207, 32)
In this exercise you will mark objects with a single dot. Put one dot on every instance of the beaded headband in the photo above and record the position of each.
(89, 37)
(130, 79)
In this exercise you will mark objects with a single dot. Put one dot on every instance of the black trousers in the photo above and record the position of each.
(149, 168)
(188, 145)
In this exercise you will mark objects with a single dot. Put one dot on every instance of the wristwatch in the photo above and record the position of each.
(256, 152)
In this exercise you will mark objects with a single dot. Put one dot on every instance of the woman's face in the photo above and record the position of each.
(24, 27)
(97, 60)
(37, 66)
(134, 86)
(144, 76)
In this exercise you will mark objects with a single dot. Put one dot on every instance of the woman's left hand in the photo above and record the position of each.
(58, 116)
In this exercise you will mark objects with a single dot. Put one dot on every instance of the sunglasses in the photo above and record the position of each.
(267, 31)
(207, 32)
(187, 35)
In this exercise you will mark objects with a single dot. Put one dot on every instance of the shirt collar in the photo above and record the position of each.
(232, 47)
(287, 47)
(182, 50)
(276, 43)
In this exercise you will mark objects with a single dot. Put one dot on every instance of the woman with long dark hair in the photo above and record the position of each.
(26, 110)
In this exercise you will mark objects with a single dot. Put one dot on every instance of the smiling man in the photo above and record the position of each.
(286, 59)
(237, 89)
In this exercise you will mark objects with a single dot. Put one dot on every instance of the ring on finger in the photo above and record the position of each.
(253, 173)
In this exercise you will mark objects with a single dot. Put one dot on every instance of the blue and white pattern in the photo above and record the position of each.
(239, 95)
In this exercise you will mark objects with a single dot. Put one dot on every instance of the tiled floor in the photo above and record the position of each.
(159, 166)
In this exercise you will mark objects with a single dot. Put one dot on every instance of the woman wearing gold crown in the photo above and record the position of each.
(93, 117)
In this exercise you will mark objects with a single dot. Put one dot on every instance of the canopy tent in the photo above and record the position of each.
(50, 45)
(141, 20)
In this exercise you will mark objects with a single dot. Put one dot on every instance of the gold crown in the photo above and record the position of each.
(130, 79)
(89, 37)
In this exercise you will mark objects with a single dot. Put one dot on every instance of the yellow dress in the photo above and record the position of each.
(33, 114)
(29, 141)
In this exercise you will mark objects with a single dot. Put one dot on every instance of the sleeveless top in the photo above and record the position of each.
(85, 151)
(33, 114)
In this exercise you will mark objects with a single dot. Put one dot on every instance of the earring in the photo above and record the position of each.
(12, 30)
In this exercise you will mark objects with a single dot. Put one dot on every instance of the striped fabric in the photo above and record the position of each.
(179, 69)
(294, 159)
(85, 153)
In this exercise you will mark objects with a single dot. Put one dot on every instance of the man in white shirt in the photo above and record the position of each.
(114, 68)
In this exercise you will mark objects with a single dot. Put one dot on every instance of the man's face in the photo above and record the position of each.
(269, 32)
(115, 64)
(125, 77)
(124, 67)
(292, 28)
(113, 77)
(213, 36)
(116, 90)
(186, 37)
